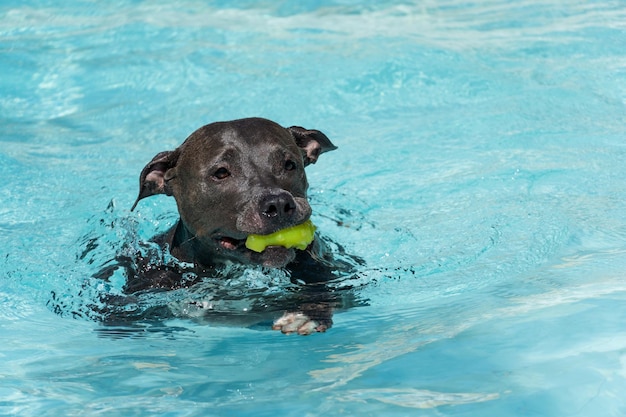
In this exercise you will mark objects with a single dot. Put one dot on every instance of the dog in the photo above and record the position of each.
(232, 179)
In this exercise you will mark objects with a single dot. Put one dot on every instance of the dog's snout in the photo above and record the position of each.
(278, 205)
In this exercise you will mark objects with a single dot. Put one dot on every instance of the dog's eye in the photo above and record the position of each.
(221, 173)
(290, 165)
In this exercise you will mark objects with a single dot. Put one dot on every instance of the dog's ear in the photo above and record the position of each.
(154, 177)
(312, 142)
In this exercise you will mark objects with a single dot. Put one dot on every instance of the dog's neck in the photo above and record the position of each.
(186, 248)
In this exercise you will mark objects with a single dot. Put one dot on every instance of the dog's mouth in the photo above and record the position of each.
(272, 256)
(230, 243)
(298, 236)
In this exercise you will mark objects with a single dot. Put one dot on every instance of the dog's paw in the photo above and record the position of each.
(298, 323)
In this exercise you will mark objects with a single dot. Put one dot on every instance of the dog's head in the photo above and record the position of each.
(233, 179)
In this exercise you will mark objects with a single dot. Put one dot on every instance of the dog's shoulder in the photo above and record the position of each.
(145, 268)
(323, 261)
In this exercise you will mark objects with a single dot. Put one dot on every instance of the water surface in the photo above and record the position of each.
(480, 174)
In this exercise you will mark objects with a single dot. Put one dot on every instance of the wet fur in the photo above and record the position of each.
(232, 179)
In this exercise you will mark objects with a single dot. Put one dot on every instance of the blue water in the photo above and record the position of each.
(481, 173)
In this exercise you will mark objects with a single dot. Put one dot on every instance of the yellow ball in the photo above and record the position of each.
(299, 237)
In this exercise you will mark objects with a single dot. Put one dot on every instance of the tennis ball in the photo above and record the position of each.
(298, 237)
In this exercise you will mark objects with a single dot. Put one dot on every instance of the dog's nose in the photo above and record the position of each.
(279, 205)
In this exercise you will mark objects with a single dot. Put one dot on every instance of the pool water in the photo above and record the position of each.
(480, 174)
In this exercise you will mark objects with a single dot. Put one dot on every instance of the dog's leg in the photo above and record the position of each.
(311, 318)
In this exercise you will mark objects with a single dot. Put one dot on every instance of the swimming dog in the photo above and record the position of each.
(230, 180)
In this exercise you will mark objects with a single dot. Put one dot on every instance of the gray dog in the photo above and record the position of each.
(230, 180)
